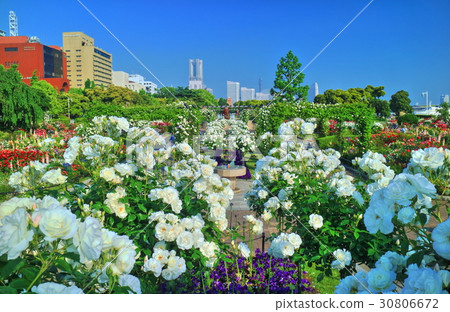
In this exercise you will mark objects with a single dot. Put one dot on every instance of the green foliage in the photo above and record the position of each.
(222, 102)
(443, 112)
(400, 102)
(288, 78)
(270, 117)
(48, 92)
(352, 95)
(167, 113)
(381, 107)
(410, 119)
(254, 103)
(20, 105)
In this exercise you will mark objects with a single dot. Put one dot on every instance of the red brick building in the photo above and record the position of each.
(48, 61)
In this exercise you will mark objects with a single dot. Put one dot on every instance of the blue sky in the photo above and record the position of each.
(401, 44)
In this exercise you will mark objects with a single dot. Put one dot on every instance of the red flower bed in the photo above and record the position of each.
(14, 158)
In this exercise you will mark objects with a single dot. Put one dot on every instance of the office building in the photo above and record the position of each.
(247, 94)
(196, 74)
(86, 61)
(122, 79)
(261, 96)
(49, 62)
(233, 91)
(313, 92)
(150, 87)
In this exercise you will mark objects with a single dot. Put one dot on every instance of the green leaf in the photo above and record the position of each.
(72, 256)
(29, 273)
(356, 234)
(63, 265)
(415, 258)
(20, 283)
(11, 266)
(131, 217)
(7, 290)
(320, 277)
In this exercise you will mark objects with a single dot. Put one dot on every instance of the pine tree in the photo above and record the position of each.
(288, 79)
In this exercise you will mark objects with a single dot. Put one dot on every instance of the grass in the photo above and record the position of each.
(325, 286)
(4, 187)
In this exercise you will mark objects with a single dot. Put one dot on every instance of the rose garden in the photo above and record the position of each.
(133, 197)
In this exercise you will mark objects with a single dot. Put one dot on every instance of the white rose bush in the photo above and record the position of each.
(121, 212)
(343, 220)
(49, 250)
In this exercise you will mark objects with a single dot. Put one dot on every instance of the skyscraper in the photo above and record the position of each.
(233, 91)
(247, 94)
(85, 61)
(313, 91)
(196, 74)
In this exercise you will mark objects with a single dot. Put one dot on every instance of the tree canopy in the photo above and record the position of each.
(288, 79)
(352, 95)
(400, 102)
(21, 106)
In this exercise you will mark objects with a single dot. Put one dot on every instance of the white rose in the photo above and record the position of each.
(315, 221)
(262, 194)
(380, 280)
(125, 169)
(184, 148)
(124, 261)
(108, 174)
(308, 128)
(206, 170)
(54, 177)
(132, 282)
(343, 258)
(108, 237)
(70, 155)
(267, 215)
(295, 240)
(185, 240)
(154, 266)
(14, 234)
(57, 222)
(208, 249)
(258, 227)
(54, 288)
(430, 157)
(198, 238)
(244, 250)
(88, 239)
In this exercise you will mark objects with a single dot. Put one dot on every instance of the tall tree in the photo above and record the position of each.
(20, 105)
(382, 108)
(400, 102)
(288, 79)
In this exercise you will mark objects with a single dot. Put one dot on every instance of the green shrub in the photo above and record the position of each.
(410, 119)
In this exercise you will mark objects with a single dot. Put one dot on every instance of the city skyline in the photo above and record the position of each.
(244, 45)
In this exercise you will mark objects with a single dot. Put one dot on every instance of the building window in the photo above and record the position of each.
(77, 50)
(12, 49)
(78, 61)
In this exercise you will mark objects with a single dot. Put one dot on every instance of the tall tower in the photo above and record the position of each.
(196, 74)
(313, 91)
(13, 26)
